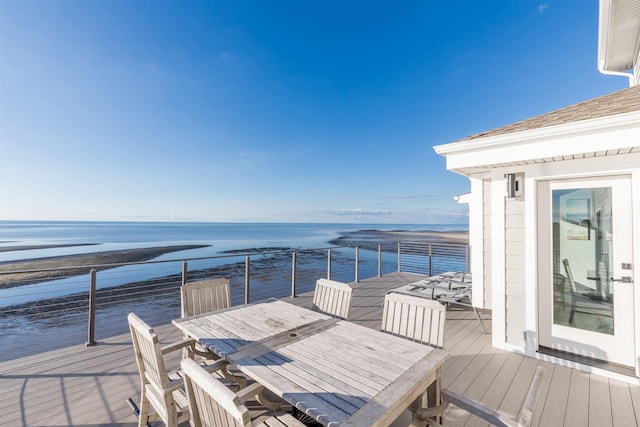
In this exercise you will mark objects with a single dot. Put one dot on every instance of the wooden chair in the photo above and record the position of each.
(495, 418)
(586, 302)
(158, 388)
(333, 298)
(422, 320)
(213, 404)
(205, 296)
(415, 318)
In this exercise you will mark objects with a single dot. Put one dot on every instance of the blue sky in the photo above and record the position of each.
(276, 111)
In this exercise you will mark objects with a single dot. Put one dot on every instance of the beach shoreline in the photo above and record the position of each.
(360, 237)
(448, 237)
(71, 265)
(62, 266)
(52, 246)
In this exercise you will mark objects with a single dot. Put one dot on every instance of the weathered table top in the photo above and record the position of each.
(338, 372)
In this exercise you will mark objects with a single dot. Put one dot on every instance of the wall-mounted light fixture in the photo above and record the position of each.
(515, 185)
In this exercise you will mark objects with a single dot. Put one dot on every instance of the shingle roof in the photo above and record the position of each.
(623, 101)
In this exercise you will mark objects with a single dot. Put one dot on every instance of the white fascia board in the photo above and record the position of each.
(622, 130)
(463, 198)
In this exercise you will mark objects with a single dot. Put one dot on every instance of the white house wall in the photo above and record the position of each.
(497, 264)
(636, 69)
(512, 267)
(476, 242)
(486, 244)
(515, 268)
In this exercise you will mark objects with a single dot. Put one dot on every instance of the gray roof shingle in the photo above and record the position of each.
(622, 101)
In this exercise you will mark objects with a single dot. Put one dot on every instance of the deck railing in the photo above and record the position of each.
(82, 309)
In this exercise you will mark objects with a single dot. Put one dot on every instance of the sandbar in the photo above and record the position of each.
(450, 237)
(72, 265)
(30, 247)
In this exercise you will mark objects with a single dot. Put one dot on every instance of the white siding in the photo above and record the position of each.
(515, 272)
(486, 194)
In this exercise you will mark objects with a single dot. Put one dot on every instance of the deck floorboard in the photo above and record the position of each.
(88, 386)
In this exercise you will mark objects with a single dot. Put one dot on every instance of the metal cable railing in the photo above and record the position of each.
(92, 306)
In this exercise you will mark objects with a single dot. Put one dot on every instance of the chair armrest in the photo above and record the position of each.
(174, 385)
(189, 342)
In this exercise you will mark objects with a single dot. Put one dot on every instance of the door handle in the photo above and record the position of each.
(624, 279)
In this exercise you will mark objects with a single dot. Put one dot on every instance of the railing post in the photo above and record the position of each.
(467, 258)
(398, 257)
(184, 273)
(379, 260)
(246, 280)
(293, 275)
(92, 308)
(357, 264)
(328, 264)
(430, 260)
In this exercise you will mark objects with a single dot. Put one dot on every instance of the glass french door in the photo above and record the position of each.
(585, 271)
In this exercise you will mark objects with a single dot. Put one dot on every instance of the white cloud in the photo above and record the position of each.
(542, 7)
(351, 212)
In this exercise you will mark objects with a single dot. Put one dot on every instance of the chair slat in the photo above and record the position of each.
(333, 298)
(419, 319)
(205, 296)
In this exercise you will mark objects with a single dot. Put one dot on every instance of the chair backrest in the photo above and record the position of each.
(333, 298)
(153, 372)
(567, 269)
(205, 296)
(415, 318)
(211, 403)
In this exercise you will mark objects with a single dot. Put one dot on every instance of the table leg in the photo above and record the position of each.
(428, 408)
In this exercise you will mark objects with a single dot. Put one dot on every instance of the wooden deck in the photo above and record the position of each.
(88, 386)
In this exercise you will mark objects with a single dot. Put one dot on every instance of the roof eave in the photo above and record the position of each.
(481, 154)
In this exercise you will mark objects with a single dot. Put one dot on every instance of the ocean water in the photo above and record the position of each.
(108, 236)
(43, 313)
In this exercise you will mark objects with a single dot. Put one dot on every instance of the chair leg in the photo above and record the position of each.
(573, 308)
(429, 408)
(172, 416)
(136, 410)
(143, 413)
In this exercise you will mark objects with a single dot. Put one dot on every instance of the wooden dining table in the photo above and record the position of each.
(335, 371)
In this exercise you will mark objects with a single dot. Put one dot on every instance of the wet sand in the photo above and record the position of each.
(30, 247)
(371, 237)
(71, 265)
(449, 237)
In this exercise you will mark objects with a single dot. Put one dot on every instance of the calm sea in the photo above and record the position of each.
(108, 236)
(219, 236)
(44, 313)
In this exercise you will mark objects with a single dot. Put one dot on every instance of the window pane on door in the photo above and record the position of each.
(582, 259)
